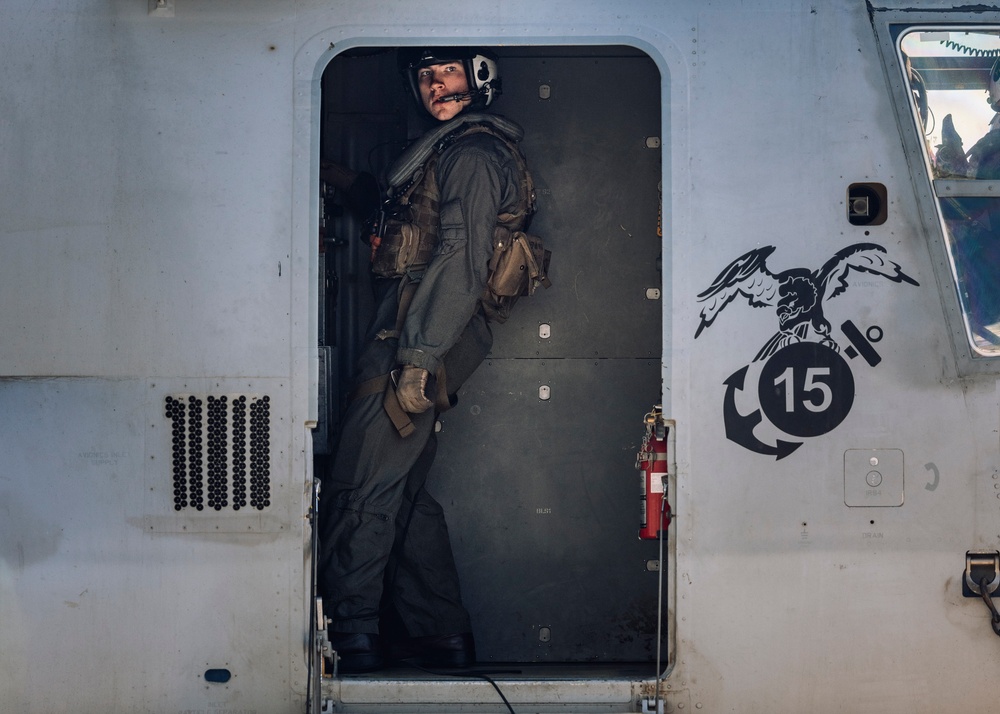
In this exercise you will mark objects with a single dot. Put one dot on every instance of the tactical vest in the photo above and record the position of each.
(410, 224)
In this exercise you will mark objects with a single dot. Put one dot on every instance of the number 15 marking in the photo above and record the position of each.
(810, 385)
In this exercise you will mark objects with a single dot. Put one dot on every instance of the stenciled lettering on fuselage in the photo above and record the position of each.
(805, 385)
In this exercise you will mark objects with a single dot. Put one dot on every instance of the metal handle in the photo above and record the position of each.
(982, 571)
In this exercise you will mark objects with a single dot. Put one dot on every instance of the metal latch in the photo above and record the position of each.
(982, 571)
(982, 577)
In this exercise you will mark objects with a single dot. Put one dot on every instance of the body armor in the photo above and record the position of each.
(410, 223)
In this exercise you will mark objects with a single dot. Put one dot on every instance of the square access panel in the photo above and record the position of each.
(873, 477)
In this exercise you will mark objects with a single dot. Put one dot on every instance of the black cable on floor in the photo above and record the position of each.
(467, 675)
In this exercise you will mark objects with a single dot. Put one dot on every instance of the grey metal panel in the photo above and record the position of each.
(92, 584)
(235, 456)
(598, 200)
(542, 496)
(542, 501)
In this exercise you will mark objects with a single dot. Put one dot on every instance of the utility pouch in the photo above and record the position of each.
(408, 248)
(518, 266)
(403, 245)
(409, 228)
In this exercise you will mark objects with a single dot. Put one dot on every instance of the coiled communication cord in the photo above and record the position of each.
(971, 51)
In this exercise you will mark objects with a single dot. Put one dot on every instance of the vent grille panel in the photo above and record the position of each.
(219, 444)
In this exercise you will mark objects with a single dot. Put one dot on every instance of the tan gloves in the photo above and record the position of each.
(411, 390)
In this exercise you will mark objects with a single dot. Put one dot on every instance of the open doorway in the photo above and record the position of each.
(536, 463)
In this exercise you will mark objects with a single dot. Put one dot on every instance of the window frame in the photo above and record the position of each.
(890, 27)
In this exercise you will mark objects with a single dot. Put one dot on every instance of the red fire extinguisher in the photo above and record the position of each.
(652, 464)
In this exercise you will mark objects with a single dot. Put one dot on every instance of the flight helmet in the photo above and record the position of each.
(994, 87)
(480, 67)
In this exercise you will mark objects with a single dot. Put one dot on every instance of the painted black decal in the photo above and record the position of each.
(937, 476)
(806, 389)
(739, 428)
(805, 386)
(796, 294)
(860, 344)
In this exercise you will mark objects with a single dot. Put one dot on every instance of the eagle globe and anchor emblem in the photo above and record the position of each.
(805, 387)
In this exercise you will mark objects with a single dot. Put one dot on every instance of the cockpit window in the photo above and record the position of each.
(954, 81)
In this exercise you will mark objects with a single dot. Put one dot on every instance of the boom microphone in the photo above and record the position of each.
(459, 97)
(493, 85)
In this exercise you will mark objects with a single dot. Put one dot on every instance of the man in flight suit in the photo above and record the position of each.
(378, 524)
